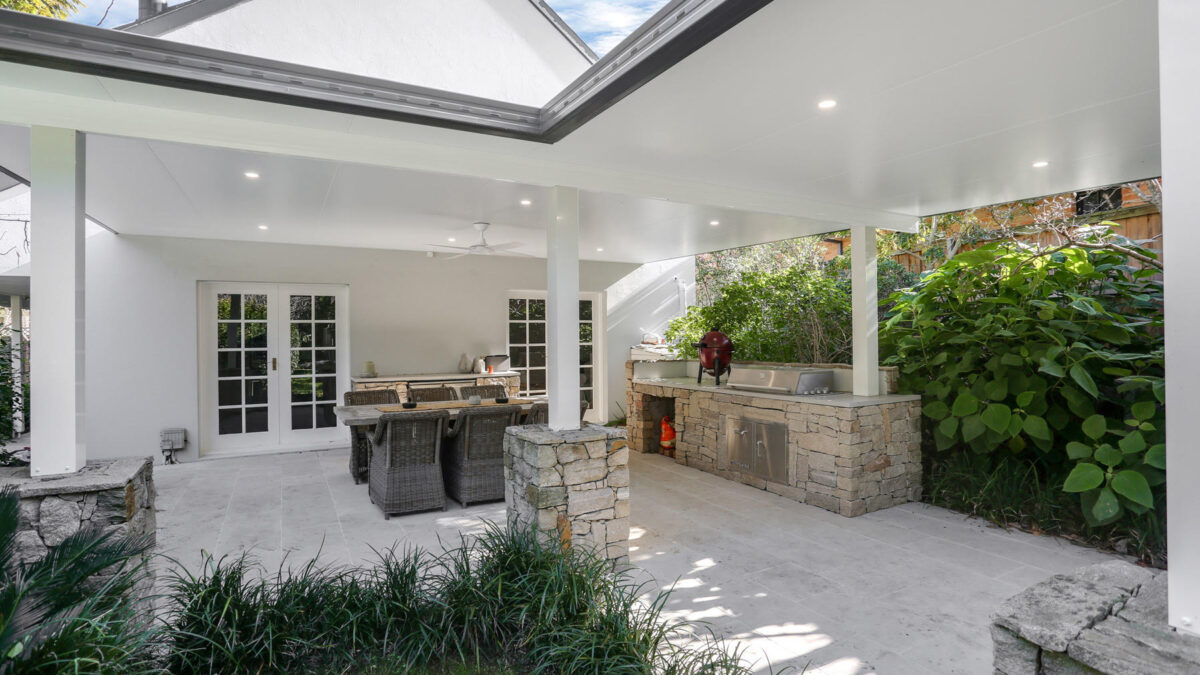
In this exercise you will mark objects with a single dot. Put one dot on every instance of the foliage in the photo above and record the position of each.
(10, 398)
(716, 270)
(798, 314)
(501, 600)
(58, 9)
(1055, 353)
(70, 612)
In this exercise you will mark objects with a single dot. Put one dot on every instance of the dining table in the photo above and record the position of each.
(368, 415)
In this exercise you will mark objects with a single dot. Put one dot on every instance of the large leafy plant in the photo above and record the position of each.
(1021, 349)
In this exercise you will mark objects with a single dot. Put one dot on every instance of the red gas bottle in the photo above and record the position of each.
(667, 439)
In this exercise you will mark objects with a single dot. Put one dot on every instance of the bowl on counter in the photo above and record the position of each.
(408, 405)
(502, 400)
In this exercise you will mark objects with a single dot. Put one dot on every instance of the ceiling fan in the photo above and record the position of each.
(483, 247)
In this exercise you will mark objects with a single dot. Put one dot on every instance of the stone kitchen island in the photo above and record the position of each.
(847, 454)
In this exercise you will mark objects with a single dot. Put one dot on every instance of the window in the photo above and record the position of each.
(1096, 201)
(527, 346)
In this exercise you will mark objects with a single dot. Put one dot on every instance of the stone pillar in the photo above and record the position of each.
(572, 485)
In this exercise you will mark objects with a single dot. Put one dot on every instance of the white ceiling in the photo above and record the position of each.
(942, 105)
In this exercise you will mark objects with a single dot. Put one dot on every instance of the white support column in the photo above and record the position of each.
(1179, 109)
(56, 280)
(18, 363)
(562, 307)
(864, 292)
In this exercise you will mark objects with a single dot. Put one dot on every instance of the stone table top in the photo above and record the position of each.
(432, 377)
(835, 399)
(360, 415)
(94, 477)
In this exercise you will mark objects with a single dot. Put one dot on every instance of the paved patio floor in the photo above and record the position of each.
(906, 590)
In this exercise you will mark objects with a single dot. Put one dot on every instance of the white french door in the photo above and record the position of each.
(274, 360)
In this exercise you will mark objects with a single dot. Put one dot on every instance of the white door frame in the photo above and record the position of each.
(280, 438)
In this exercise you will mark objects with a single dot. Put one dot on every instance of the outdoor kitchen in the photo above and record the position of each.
(791, 429)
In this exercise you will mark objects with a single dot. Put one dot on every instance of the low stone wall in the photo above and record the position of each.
(114, 496)
(573, 486)
(1109, 618)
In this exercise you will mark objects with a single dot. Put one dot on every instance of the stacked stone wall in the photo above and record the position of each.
(573, 486)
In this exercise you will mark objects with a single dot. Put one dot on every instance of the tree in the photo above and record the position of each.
(58, 9)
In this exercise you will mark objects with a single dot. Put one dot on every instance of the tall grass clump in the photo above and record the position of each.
(496, 603)
(72, 611)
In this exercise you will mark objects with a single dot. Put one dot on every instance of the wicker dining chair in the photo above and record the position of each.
(406, 468)
(483, 391)
(539, 413)
(474, 454)
(360, 435)
(431, 394)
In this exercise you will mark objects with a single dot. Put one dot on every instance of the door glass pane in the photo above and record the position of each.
(585, 332)
(585, 377)
(586, 396)
(301, 362)
(537, 333)
(326, 362)
(229, 392)
(229, 421)
(256, 391)
(516, 333)
(256, 335)
(585, 310)
(325, 416)
(229, 335)
(302, 417)
(585, 355)
(229, 364)
(256, 419)
(256, 307)
(301, 334)
(537, 310)
(537, 357)
(537, 379)
(229, 307)
(256, 364)
(301, 307)
(324, 335)
(302, 389)
(325, 389)
(518, 357)
(324, 308)
(516, 310)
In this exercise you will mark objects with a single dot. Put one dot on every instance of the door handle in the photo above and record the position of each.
(274, 363)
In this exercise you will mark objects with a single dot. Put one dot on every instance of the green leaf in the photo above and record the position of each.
(1133, 486)
(1085, 476)
(1051, 368)
(1011, 359)
(1025, 398)
(1133, 443)
(1036, 428)
(1077, 450)
(936, 410)
(1144, 410)
(1108, 455)
(996, 390)
(1156, 456)
(948, 427)
(965, 404)
(1106, 506)
(1095, 427)
(1084, 380)
(972, 428)
(996, 416)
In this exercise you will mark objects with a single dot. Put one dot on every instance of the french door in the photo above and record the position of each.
(273, 363)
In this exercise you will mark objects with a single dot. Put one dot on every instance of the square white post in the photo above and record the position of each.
(56, 280)
(864, 295)
(1179, 109)
(562, 307)
(18, 363)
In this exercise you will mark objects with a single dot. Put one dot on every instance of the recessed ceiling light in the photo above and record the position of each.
(1041, 164)
(714, 223)
(827, 104)
(526, 202)
(252, 175)
(599, 250)
(263, 227)
(451, 239)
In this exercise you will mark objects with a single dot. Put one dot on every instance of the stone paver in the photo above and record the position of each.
(906, 590)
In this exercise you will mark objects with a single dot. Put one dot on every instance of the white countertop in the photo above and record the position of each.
(431, 377)
(840, 399)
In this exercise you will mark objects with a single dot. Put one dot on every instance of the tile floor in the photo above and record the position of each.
(908, 590)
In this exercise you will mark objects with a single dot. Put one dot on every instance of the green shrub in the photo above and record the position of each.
(498, 601)
(1056, 352)
(797, 315)
(71, 611)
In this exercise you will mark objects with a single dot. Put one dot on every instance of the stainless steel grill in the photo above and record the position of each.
(782, 380)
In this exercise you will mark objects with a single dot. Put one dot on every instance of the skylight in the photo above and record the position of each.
(604, 23)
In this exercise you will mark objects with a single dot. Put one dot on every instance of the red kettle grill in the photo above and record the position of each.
(716, 355)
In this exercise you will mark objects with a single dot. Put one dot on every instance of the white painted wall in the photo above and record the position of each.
(643, 301)
(498, 49)
(408, 313)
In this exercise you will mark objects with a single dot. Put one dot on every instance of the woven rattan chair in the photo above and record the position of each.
(483, 391)
(431, 394)
(406, 468)
(539, 413)
(474, 455)
(360, 435)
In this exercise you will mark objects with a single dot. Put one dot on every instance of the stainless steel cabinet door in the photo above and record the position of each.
(770, 451)
(739, 441)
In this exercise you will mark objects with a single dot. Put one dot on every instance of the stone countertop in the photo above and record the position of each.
(834, 400)
(94, 477)
(431, 377)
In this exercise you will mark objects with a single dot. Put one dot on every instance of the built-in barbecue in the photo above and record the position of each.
(782, 380)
